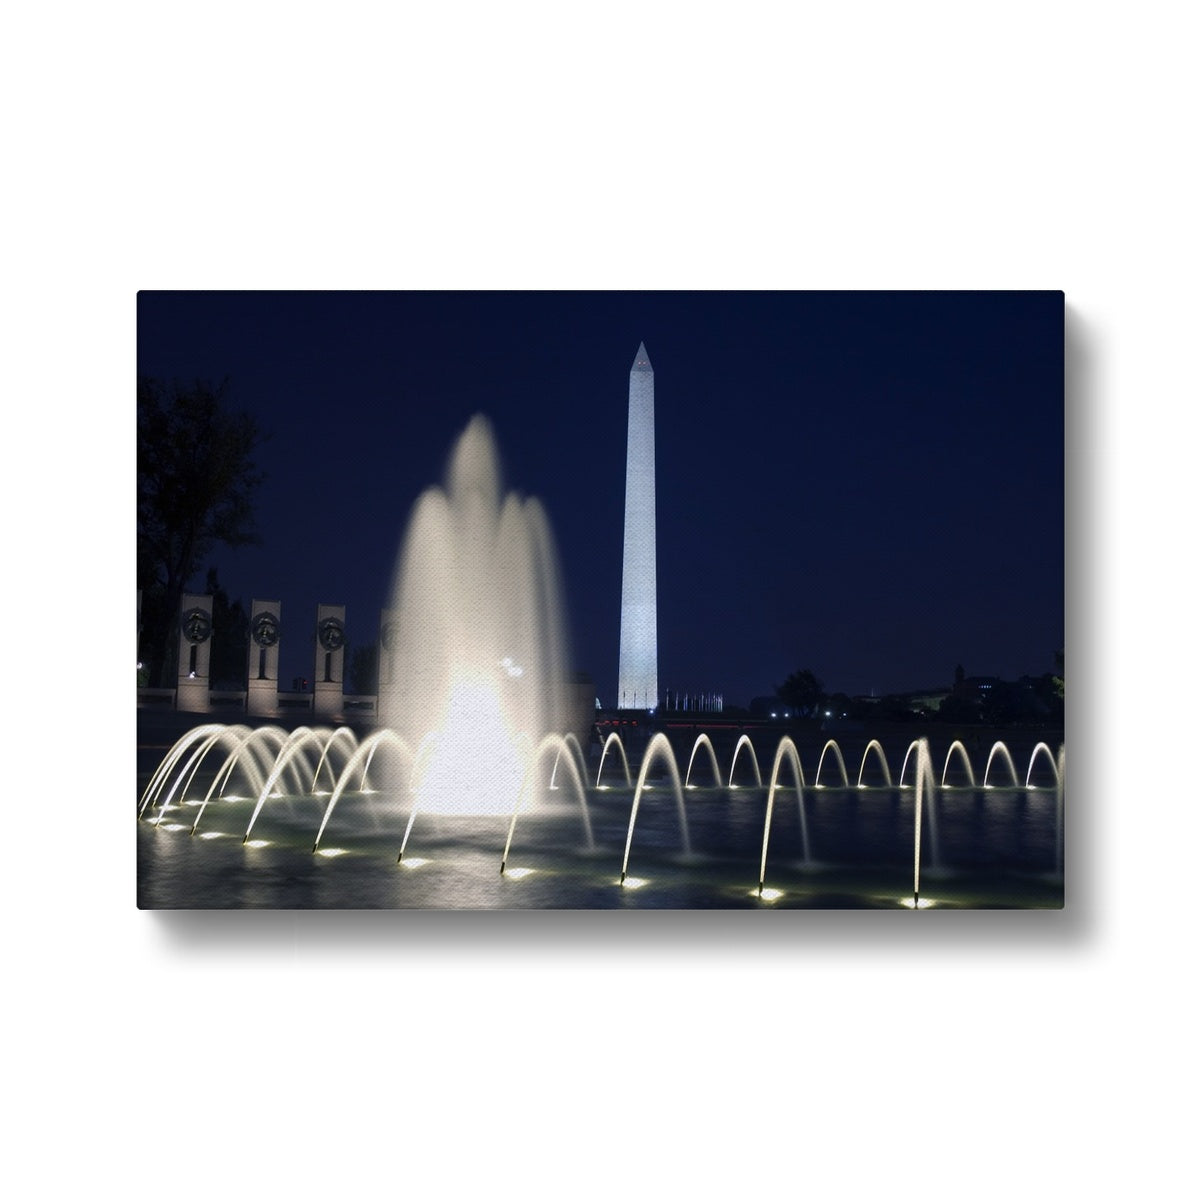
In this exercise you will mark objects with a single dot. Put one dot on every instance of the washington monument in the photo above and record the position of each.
(637, 675)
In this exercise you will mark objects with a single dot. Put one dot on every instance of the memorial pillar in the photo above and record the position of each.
(195, 649)
(331, 651)
(262, 675)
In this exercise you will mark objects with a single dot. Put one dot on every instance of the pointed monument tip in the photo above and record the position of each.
(642, 361)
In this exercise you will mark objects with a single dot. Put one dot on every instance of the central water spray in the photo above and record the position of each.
(476, 644)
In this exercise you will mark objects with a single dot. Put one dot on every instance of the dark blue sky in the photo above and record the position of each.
(866, 484)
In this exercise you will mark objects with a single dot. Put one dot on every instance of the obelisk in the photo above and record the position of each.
(637, 675)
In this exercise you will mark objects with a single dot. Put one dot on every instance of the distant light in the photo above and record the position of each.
(518, 872)
(767, 894)
(331, 852)
(411, 864)
(907, 902)
(828, 713)
(633, 882)
(258, 844)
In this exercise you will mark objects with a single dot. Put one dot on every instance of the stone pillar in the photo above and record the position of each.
(331, 651)
(262, 676)
(195, 648)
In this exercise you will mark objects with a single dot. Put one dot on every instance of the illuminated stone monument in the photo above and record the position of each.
(195, 649)
(262, 675)
(331, 650)
(637, 675)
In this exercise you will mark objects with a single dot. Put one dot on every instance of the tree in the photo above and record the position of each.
(229, 663)
(803, 691)
(196, 485)
(364, 670)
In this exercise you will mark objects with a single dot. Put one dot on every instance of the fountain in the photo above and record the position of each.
(267, 793)
(479, 653)
(472, 793)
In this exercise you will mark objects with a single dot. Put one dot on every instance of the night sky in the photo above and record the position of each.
(869, 485)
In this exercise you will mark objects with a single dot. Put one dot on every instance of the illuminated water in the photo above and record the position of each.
(695, 847)
(475, 658)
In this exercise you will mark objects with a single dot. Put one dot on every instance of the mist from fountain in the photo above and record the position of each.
(478, 648)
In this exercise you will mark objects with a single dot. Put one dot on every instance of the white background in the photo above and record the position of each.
(1034, 145)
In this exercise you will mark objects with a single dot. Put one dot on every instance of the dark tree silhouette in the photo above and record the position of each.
(229, 664)
(364, 669)
(803, 690)
(196, 485)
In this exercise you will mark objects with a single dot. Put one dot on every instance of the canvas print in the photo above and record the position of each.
(506, 600)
